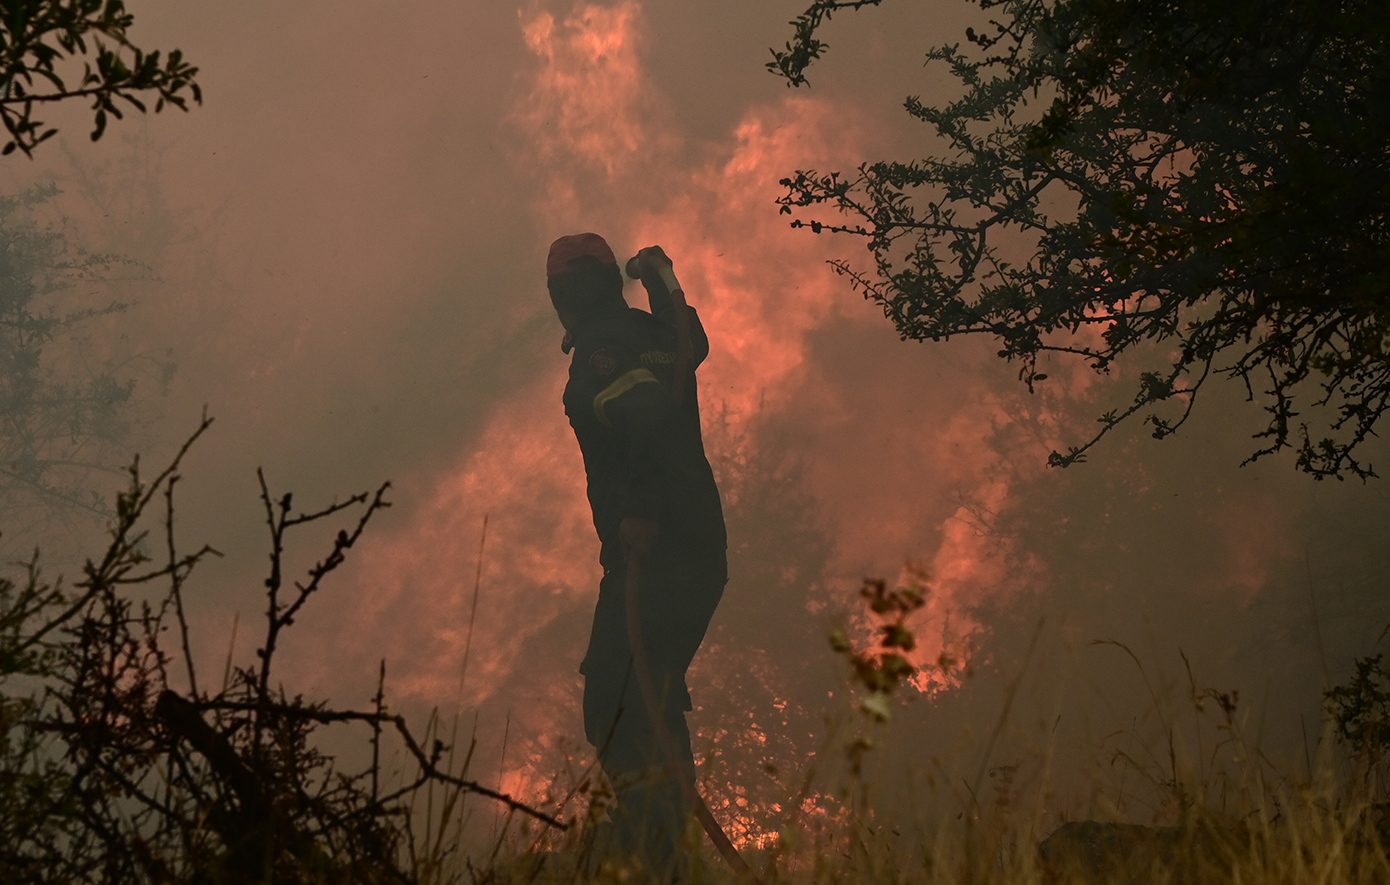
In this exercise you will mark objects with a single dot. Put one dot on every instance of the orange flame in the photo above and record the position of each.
(888, 488)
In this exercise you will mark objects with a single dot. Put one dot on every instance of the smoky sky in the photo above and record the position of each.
(347, 248)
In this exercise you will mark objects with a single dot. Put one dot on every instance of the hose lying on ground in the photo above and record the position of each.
(663, 735)
(683, 371)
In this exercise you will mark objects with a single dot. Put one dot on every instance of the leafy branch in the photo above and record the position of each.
(805, 47)
(41, 39)
(1203, 184)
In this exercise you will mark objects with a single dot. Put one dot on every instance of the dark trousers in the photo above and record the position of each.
(679, 592)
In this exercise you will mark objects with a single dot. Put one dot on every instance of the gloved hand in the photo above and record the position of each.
(648, 260)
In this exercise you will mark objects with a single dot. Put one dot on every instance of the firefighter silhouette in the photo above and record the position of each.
(633, 404)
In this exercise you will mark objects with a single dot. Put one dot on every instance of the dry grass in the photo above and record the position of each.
(1198, 804)
(1192, 802)
(1308, 838)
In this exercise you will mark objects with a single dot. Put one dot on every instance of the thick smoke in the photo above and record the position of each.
(350, 244)
(883, 490)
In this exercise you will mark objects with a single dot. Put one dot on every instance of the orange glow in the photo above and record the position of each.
(922, 485)
(527, 477)
(1255, 543)
(587, 96)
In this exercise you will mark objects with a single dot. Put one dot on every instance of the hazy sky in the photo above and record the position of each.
(349, 238)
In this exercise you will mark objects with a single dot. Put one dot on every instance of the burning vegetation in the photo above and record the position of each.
(121, 763)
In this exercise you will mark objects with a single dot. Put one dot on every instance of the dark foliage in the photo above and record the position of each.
(111, 773)
(1203, 180)
(40, 40)
(1360, 713)
(805, 47)
(881, 670)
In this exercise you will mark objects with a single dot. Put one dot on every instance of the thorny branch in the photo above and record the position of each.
(140, 774)
(429, 762)
(123, 553)
(279, 519)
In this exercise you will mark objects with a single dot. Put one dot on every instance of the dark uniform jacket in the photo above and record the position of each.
(643, 452)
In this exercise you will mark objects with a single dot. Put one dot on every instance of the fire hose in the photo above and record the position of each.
(640, 664)
(642, 667)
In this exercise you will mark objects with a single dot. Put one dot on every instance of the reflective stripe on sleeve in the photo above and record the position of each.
(668, 277)
(618, 388)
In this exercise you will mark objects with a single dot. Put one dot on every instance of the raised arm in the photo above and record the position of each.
(667, 299)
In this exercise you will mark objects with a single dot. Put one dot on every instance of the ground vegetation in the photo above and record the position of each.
(121, 763)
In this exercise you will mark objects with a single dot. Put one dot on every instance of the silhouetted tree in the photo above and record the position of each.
(41, 44)
(65, 404)
(1207, 177)
(1360, 713)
